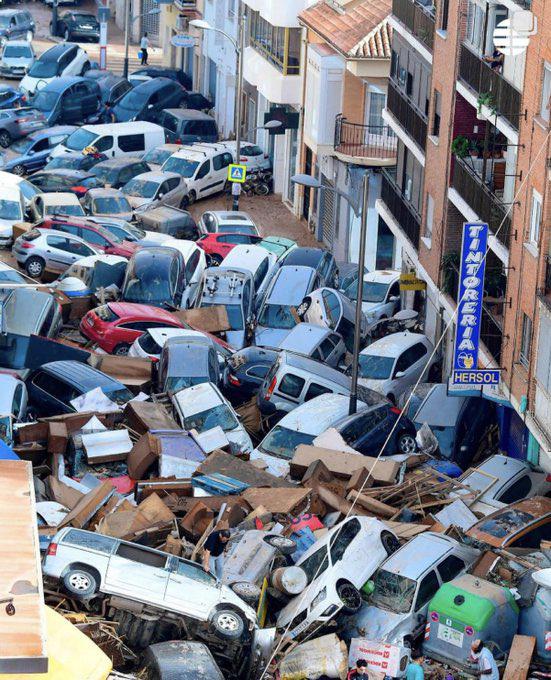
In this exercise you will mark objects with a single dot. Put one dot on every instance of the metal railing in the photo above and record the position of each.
(491, 334)
(485, 203)
(407, 115)
(505, 98)
(544, 293)
(418, 19)
(364, 141)
(403, 212)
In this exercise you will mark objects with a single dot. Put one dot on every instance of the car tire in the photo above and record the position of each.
(188, 199)
(67, 35)
(34, 267)
(5, 139)
(228, 624)
(391, 398)
(85, 67)
(248, 592)
(80, 582)
(390, 542)
(121, 350)
(304, 306)
(286, 546)
(407, 443)
(214, 260)
(19, 170)
(350, 597)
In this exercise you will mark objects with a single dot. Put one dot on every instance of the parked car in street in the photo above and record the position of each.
(396, 362)
(197, 100)
(155, 158)
(186, 126)
(116, 325)
(278, 245)
(224, 221)
(64, 180)
(100, 202)
(337, 566)
(54, 204)
(381, 294)
(203, 407)
(348, 274)
(63, 59)
(31, 152)
(84, 277)
(261, 264)
(186, 362)
(13, 397)
(315, 342)
(89, 563)
(322, 261)
(217, 246)
(17, 58)
(245, 372)
(146, 73)
(250, 154)
(10, 97)
(155, 276)
(16, 24)
(16, 123)
(150, 344)
(116, 172)
(85, 161)
(127, 231)
(153, 189)
(68, 100)
(77, 26)
(111, 86)
(146, 100)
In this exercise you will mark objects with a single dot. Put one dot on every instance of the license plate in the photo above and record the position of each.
(90, 321)
(454, 637)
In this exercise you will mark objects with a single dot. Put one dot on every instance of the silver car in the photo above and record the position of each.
(17, 58)
(152, 189)
(49, 250)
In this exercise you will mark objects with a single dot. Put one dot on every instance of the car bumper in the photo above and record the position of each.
(13, 71)
(85, 35)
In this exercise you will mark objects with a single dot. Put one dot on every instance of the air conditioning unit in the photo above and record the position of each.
(186, 5)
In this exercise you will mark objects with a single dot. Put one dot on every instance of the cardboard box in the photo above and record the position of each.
(57, 437)
(20, 228)
(144, 453)
(210, 319)
(142, 416)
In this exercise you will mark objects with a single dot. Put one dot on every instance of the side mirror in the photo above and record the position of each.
(399, 374)
(150, 106)
(393, 298)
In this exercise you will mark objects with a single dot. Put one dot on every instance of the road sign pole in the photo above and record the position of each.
(239, 85)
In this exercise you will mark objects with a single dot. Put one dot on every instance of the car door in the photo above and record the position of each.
(140, 573)
(36, 155)
(69, 106)
(392, 300)
(347, 554)
(52, 395)
(174, 191)
(192, 277)
(426, 590)
(191, 590)
(220, 164)
(403, 373)
(202, 180)
(58, 253)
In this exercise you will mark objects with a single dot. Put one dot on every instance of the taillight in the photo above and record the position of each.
(243, 160)
(26, 245)
(178, 141)
(270, 389)
(395, 410)
(154, 360)
(52, 549)
(548, 478)
(79, 190)
(234, 380)
(23, 120)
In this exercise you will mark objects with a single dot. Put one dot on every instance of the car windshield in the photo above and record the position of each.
(10, 210)
(17, 51)
(111, 205)
(373, 367)
(69, 162)
(282, 442)
(316, 564)
(393, 592)
(85, 18)
(182, 382)
(119, 395)
(28, 189)
(74, 210)
(277, 316)
(141, 188)
(220, 415)
(235, 316)
(237, 229)
(80, 139)
(43, 69)
(147, 286)
(11, 276)
(181, 166)
(506, 523)
(45, 101)
(372, 292)
(157, 156)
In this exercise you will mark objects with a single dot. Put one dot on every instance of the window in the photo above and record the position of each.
(191, 265)
(195, 572)
(535, 217)
(524, 355)
(141, 555)
(533, 537)
(104, 143)
(444, 10)
(359, 427)
(90, 541)
(172, 183)
(326, 348)
(68, 228)
(258, 371)
(517, 491)
(315, 390)
(291, 385)
(95, 238)
(428, 587)
(342, 539)
(222, 161)
(450, 568)
(132, 143)
(260, 274)
(54, 387)
(278, 44)
(203, 170)
(436, 114)
(545, 109)
(429, 217)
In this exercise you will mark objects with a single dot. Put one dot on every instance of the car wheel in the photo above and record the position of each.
(214, 260)
(66, 35)
(34, 267)
(188, 199)
(80, 582)
(121, 350)
(390, 542)
(391, 398)
(5, 139)
(228, 624)
(19, 170)
(350, 597)
(304, 306)
(248, 592)
(407, 444)
(286, 546)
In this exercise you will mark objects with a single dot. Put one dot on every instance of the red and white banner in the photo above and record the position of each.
(379, 656)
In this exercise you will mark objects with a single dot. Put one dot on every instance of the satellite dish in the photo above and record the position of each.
(543, 578)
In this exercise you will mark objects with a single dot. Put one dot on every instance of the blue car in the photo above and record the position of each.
(11, 98)
(31, 153)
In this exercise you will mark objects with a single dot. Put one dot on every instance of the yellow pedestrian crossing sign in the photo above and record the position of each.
(237, 173)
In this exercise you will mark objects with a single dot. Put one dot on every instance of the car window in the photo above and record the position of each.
(41, 145)
(93, 237)
(56, 388)
(126, 174)
(405, 360)
(195, 572)
(191, 265)
(359, 426)
(394, 290)
(17, 399)
(104, 143)
(533, 537)
(68, 229)
(221, 161)
(316, 564)
(132, 142)
(450, 568)
(258, 371)
(427, 589)
(138, 554)
(520, 489)
(291, 385)
(260, 273)
(90, 541)
(246, 297)
(326, 348)
(172, 183)
(58, 242)
(203, 170)
(136, 325)
(238, 239)
(315, 390)
(168, 121)
(342, 539)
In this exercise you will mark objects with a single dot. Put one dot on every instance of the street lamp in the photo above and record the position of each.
(127, 22)
(313, 183)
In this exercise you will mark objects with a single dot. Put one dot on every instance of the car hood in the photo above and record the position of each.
(270, 337)
(241, 439)
(155, 237)
(29, 84)
(380, 386)
(128, 217)
(17, 61)
(236, 339)
(6, 229)
(275, 466)
(138, 201)
(374, 624)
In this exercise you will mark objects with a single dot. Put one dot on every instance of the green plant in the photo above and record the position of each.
(484, 99)
(460, 146)
(450, 273)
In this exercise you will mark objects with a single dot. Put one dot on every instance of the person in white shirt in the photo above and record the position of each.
(487, 667)
(144, 44)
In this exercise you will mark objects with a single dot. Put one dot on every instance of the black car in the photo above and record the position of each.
(54, 385)
(175, 74)
(77, 26)
(367, 430)
(68, 99)
(111, 86)
(321, 260)
(155, 276)
(245, 372)
(149, 99)
(64, 179)
(197, 101)
(16, 24)
(116, 172)
(81, 162)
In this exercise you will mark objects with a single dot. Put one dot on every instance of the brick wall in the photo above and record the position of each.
(353, 99)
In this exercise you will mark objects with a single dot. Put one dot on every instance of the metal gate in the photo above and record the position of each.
(327, 213)
(150, 22)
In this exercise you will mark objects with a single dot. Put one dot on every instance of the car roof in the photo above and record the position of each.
(537, 506)
(247, 254)
(318, 414)
(289, 285)
(160, 253)
(156, 176)
(61, 83)
(222, 216)
(59, 198)
(84, 376)
(33, 302)
(17, 43)
(308, 257)
(189, 114)
(56, 232)
(90, 260)
(394, 344)
(103, 191)
(304, 337)
(315, 368)
(8, 12)
(63, 172)
(198, 398)
(57, 51)
(418, 554)
(502, 467)
(137, 311)
(152, 85)
(382, 276)
(133, 126)
(51, 131)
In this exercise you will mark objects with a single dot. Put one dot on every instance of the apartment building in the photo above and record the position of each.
(174, 20)
(469, 123)
(344, 134)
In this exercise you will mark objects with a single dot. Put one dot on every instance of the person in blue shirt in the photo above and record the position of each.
(414, 670)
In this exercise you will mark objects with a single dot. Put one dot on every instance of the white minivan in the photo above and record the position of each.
(113, 139)
(260, 262)
(12, 210)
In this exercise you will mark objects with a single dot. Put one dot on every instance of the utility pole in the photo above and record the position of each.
(239, 108)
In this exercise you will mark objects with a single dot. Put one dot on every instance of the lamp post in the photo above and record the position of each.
(313, 183)
(128, 22)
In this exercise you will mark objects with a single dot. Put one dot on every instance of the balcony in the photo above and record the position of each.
(403, 212)
(491, 333)
(477, 74)
(405, 112)
(544, 293)
(487, 205)
(364, 144)
(418, 19)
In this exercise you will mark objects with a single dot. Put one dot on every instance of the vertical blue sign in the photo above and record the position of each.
(471, 291)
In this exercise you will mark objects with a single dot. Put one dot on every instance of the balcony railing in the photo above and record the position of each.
(364, 141)
(491, 334)
(505, 98)
(407, 115)
(403, 212)
(485, 203)
(418, 19)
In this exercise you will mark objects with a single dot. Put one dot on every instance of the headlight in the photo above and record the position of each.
(320, 597)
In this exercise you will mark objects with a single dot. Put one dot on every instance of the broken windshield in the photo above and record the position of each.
(393, 592)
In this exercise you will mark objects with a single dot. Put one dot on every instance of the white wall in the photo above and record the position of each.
(280, 12)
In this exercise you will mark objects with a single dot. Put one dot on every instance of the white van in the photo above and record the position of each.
(12, 210)
(113, 139)
(204, 168)
(260, 262)
(28, 189)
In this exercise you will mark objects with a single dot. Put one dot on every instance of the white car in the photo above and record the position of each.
(260, 262)
(78, 280)
(381, 294)
(13, 397)
(63, 59)
(55, 203)
(195, 263)
(152, 189)
(223, 221)
(337, 566)
(12, 210)
(251, 155)
(150, 343)
(203, 407)
(394, 363)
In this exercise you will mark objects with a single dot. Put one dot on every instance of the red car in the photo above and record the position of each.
(217, 246)
(92, 233)
(116, 325)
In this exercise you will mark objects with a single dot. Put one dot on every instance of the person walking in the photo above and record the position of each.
(144, 44)
(107, 113)
(487, 667)
(414, 670)
(213, 553)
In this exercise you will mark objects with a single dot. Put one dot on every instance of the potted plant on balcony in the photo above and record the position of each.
(450, 273)
(484, 99)
(460, 146)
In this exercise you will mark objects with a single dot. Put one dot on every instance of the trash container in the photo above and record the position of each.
(536, 619)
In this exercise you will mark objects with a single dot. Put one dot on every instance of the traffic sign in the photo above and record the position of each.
(237, 173)
(183, 40)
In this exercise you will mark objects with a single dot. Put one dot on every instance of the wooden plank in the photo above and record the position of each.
(520, 656)
(23, 634)
(372, 504)
(284, 500)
